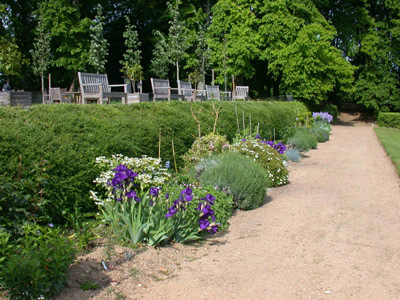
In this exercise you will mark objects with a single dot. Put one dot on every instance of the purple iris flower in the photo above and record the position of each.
(210, 198)
(131, 194)
(166, 196)
(204, 223)
(154, 191)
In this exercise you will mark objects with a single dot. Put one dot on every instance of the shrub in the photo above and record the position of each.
(38, 267)
(205, 146)
(303, 140)
(332, 110)
(238, 176)
(266, 156)
(321, 130)
(293, 154)
(386, 119)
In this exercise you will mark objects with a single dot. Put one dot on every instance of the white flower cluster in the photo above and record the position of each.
(150, 173)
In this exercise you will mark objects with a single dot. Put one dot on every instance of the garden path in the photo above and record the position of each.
(332, 233)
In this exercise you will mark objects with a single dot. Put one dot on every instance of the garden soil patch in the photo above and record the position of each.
(332, 233)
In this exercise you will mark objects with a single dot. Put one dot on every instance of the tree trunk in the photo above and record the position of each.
(177, 72)
(42, 80)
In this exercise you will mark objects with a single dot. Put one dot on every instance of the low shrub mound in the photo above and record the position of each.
(238, 176)
(303, 140)
(387, 119)
(266, 156)
(205, 146)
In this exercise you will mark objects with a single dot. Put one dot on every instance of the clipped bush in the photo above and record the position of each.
(238, 176)
(205, 146)
(266, 156)
(388, 119)
(293, 154)
(303, 140)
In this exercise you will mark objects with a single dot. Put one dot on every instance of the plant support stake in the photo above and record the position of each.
(173, 154)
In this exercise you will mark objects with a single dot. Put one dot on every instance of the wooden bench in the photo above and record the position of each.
(213, 92)
(185, 89)
(241, 92)
(162, 90)
(96, 87)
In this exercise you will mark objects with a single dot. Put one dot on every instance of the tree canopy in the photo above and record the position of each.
(316, 50)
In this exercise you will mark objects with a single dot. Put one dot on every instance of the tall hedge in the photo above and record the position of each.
(57, 144)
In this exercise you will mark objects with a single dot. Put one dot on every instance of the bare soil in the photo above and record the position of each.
(332, 233)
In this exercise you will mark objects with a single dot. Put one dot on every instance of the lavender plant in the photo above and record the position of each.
(322, 116)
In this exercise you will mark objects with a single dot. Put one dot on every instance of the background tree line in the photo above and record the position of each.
(316, 50)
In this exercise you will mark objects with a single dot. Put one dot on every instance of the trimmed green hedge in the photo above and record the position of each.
(387, 119)
(56, 145)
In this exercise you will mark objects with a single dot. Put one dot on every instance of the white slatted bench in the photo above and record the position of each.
(213, 92)
(242, 92)
(95, 87)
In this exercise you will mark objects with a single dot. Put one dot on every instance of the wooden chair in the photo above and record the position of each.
(185, 89)
(241, 92)
(213, 92)
(96, 87)
(162, 90)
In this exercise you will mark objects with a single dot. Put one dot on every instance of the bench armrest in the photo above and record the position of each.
(124, 85)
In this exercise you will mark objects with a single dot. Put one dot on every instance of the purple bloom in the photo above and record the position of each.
(187, 191)
(166, 196)
(120, 168)
(243, 140)
(131, 194)
(51, 225)
(204, 223)
(214, 229)
(154, 191)
(188, 198)
(210, 198)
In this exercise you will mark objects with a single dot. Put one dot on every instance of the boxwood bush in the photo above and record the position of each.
(62, 142)
(386, 119)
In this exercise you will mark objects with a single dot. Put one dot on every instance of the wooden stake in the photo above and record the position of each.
(274, 135)
(237, 118)
(244, 128)
(159, 143)
(258, 128)
(173, 154)
(250, 126)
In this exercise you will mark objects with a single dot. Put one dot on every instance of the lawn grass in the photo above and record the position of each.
(390, 139)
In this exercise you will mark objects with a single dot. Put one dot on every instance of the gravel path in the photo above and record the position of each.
(332, 233)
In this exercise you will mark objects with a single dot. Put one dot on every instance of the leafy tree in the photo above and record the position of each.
(299, 51)
(11, 58)
(132, 56)
(171, 50)
(41, 54)
(233, 38)
(98, 44)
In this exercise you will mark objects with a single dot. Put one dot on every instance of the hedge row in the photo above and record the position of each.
(53, 147)
(386, 119)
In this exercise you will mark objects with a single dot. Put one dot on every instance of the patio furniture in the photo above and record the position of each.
(213, 92)
(241, 92)
(96, 87)
(162, 90)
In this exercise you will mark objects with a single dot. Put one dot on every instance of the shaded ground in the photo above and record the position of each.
(332, 233)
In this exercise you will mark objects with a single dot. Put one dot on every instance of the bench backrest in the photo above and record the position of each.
(185, 88)
(55, 94)
(213, 92)
(242, 92)
(90, 82)
(160, 87)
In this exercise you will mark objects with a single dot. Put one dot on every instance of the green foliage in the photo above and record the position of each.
(131, 63)
(238, 176)
(299, 50)
(233, 38)
(303, 140)
(41, 54)
(267, 157)
(293, 154)
(332, 110)
(98, 44)
(39, 267)
(68, 138)
(390, 139)
(389, 120)
(11, 59)
(89, 286)
(321, 129)
(205, 146)
(170, 50)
